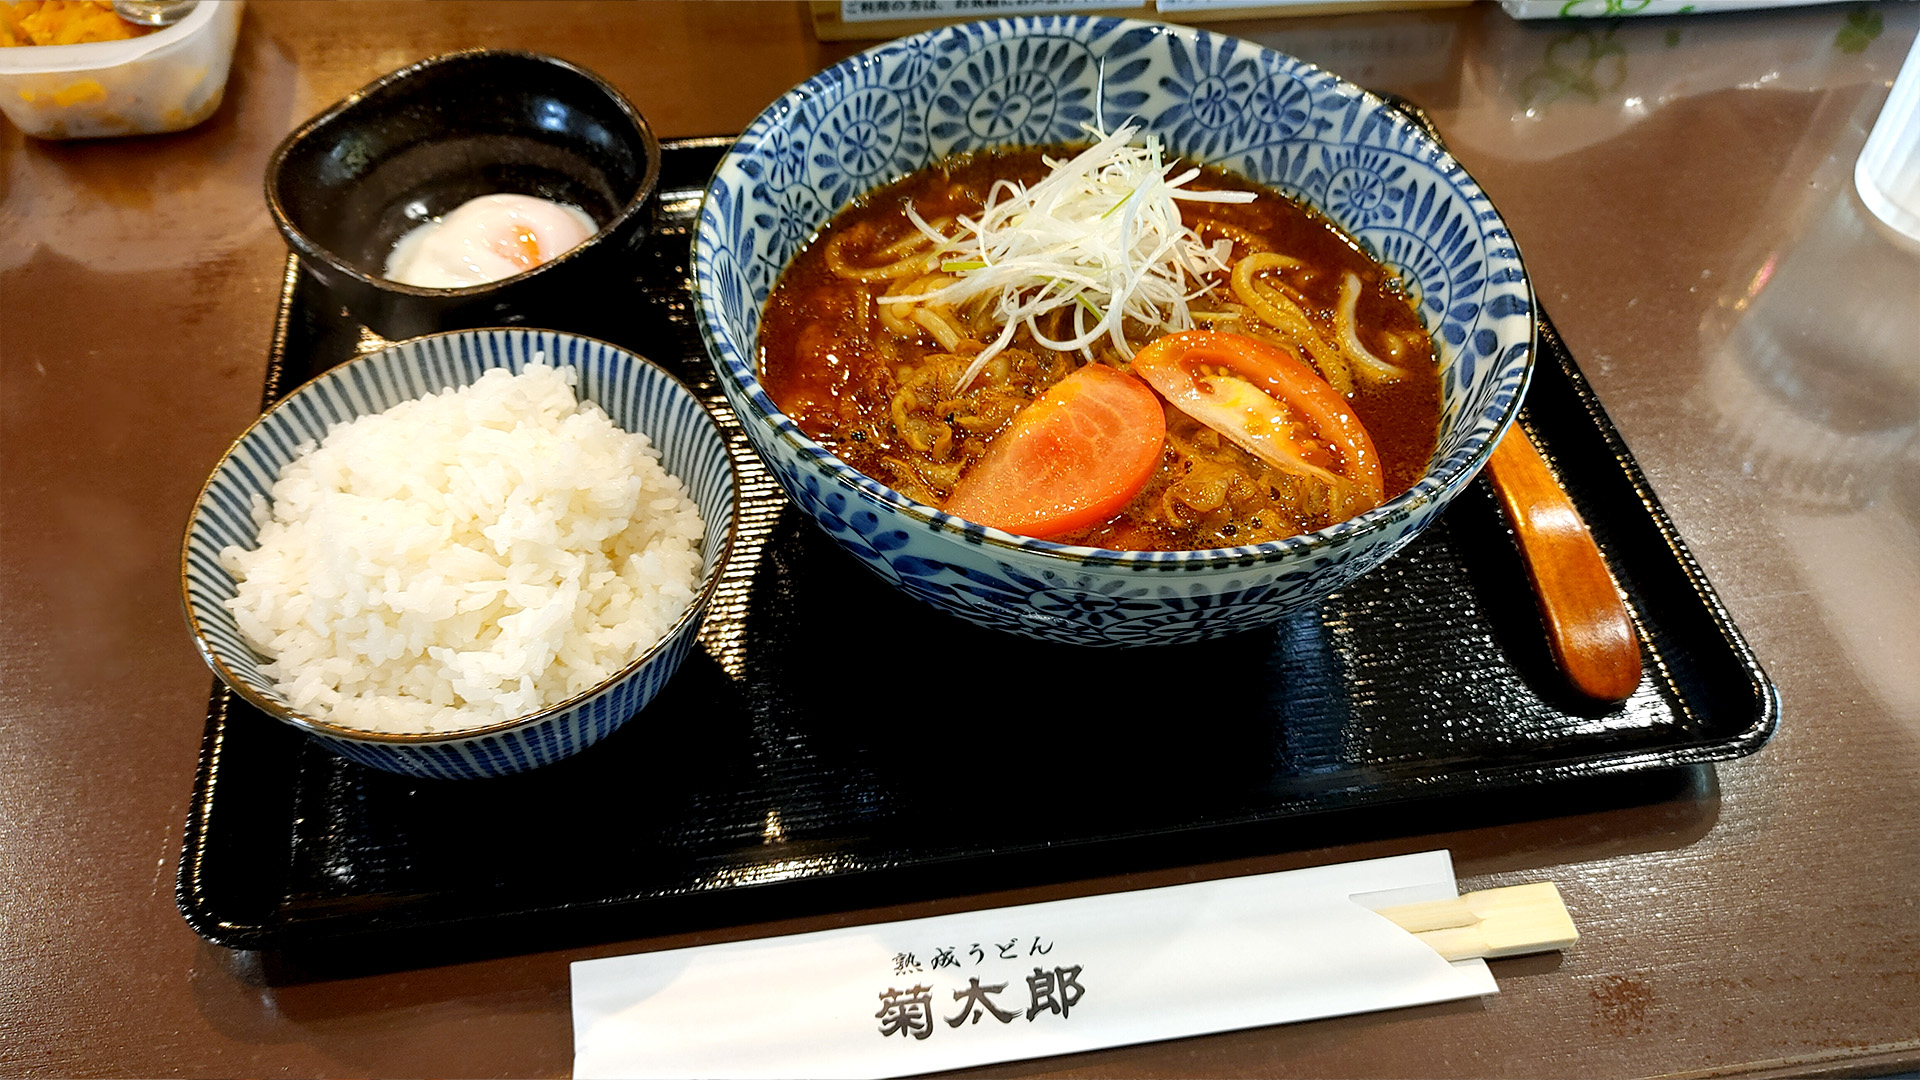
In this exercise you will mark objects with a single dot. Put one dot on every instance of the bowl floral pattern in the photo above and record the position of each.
(1022, 81)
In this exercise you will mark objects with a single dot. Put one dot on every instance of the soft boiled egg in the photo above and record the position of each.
(486, 239)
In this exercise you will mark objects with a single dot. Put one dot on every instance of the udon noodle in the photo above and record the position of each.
(933, 329)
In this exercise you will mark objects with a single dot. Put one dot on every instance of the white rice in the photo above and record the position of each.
(466, 558)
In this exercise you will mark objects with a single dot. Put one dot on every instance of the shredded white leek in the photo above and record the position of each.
(1101, 235)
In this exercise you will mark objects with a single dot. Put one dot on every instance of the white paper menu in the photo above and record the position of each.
(923, 995)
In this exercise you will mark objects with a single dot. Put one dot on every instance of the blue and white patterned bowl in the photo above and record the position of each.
(638, 396)
(1022, 81)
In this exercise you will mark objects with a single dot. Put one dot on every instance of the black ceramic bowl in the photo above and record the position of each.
(347, 184)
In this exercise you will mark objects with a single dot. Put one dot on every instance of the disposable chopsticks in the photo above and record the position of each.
(1510, 921)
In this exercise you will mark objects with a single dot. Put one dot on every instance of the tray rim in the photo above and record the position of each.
(202, 914)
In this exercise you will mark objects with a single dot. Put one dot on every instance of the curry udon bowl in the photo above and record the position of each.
(1274, 119)
(635, 394)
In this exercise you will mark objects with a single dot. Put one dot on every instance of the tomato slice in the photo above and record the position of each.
(1072, 459)
(1269, 403)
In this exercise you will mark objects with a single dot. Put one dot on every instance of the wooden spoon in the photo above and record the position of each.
(1592, 638)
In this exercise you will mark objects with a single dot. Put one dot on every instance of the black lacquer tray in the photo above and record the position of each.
(836, 744)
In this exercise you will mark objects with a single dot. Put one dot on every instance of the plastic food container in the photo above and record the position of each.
(164, 81)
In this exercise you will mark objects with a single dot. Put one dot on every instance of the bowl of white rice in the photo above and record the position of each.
(465, 555)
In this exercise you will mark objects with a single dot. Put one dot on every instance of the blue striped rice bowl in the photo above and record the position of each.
(638, 396)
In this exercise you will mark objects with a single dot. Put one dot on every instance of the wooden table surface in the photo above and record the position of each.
(1681, 188)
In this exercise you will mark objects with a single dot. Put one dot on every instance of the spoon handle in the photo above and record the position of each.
(153, 12)
(1592, 638)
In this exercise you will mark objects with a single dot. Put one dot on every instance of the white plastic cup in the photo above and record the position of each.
(168, 80)
(1888, 171)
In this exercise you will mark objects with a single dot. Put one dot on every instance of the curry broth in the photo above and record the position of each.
(824, 365)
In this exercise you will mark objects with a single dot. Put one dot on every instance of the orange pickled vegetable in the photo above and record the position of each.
(63, 22)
